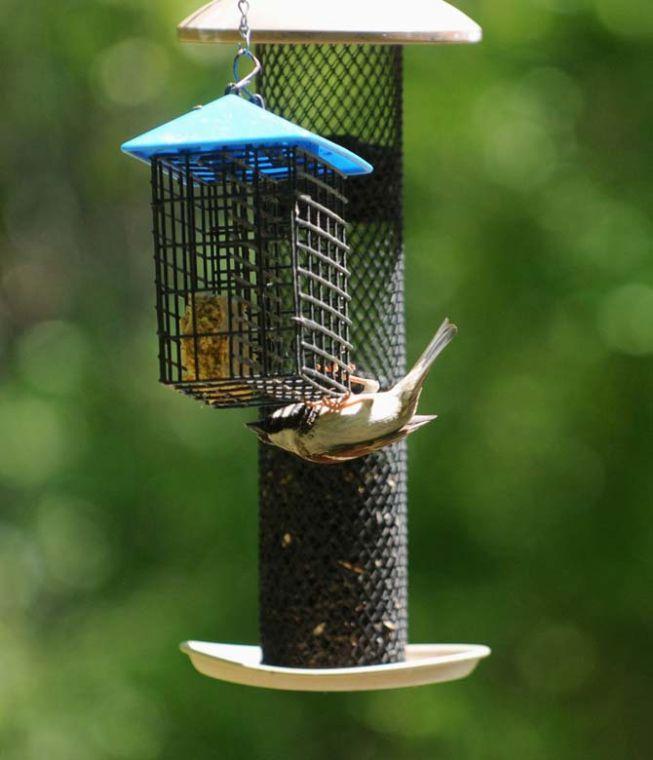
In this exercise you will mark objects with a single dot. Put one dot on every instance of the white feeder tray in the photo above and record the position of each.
(425, 664)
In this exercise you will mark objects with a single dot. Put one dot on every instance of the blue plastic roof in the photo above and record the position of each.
(233, 122)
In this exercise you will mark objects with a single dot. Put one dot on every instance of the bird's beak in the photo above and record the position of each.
(261, 434)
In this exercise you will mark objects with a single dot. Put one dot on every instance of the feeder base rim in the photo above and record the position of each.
(425, 664)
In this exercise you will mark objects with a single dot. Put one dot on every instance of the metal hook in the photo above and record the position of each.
(247, 53)
(242, 84)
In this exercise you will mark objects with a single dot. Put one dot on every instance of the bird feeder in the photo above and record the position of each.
(332, 540)
(251, 255)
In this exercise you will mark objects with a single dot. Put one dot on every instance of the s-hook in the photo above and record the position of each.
(241, 83)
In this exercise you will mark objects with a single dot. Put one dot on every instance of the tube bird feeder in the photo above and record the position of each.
(333, 540)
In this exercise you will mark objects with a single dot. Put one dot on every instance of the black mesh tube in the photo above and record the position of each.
(333, 559)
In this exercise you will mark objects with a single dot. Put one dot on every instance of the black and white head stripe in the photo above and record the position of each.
(294, 417)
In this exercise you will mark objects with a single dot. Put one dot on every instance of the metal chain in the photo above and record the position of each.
(243, 28)
(242, 83)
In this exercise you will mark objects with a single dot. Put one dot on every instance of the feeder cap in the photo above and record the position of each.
(233, 122)
(332, 21)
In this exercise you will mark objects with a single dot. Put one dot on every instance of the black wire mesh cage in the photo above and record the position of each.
(251, 275)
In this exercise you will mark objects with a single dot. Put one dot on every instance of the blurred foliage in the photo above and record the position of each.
(128, 518)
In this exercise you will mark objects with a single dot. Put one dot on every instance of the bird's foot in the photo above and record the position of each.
(335, 403)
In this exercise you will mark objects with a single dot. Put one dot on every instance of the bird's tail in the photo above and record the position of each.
(414, 380)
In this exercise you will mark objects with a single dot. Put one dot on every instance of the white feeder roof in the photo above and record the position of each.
(332, 21)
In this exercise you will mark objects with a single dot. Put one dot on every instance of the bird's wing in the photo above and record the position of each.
(346, 453)
(418, 420)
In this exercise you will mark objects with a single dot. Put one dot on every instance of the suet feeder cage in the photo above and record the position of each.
(269, 284)
(250, 254)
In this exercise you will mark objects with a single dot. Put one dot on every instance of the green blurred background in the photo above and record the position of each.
(128, 518)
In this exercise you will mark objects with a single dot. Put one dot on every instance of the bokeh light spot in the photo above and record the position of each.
(20, 570)
(75, 551)
(617, 240)
(630, 18)
(626, 319)
(519, 149)
(133, 71)
(51, 357)
(35, 440)
(127, 724)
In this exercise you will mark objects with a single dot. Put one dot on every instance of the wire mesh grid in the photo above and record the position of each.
(251, 275)
(333, 540)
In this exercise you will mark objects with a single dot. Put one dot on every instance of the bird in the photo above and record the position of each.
(332, 431)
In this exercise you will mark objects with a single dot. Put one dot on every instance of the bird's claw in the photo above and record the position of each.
(335, 403)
